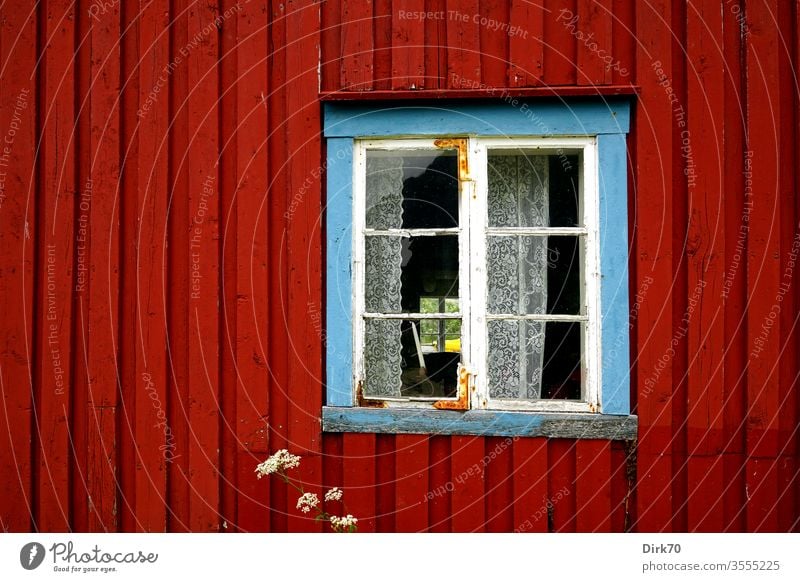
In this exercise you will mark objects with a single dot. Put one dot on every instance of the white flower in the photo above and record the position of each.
(307, 501)
(343, 523)
(334, 494)
(279, 461)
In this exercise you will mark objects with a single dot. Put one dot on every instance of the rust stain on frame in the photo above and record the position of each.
(462, 402)
(459, 144)
(366, 402)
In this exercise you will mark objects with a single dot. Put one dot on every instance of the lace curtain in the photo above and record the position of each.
(383, 268)
(517, 275)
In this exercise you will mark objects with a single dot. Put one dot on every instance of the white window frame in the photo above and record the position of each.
(472, 233)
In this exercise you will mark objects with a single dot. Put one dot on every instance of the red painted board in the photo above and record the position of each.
(525, 44)
(98, 278)
(468, 479)
(357, 57)
(498, 467)
(411, 486)
(530, 485)
(596, 59)
(56, 247)
(408, 45)
(18, 230)
(358, 479)
(463, 45)
(593, 477)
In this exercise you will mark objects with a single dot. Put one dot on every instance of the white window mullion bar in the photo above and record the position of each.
(367, 315)
(534, 231)
(588, 182)
(538, 317)
(478, 297)
(359, 224)
(408, 232)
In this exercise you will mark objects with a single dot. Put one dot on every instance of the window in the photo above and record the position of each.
(476, 266)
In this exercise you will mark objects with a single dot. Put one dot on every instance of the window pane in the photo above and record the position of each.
(533, 275)
(529, 360)
(412, 189)
(533, 189)
(412, 358)
(399, 271)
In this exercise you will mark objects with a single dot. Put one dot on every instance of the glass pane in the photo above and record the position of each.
(399, 271)
(562, 373)
(412, 189)
(531, 360)
(533, 275)
(533, 189)
(412, 358)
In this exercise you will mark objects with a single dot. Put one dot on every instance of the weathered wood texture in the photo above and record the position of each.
(161, 263)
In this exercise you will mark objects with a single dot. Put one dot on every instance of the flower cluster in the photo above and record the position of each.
(307, 501)
(343, 524)
(282, 460)
(334, 494)
(278, 463)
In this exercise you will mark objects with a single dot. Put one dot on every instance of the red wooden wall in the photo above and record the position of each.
(161, 305)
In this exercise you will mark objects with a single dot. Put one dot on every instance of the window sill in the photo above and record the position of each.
(480, 423)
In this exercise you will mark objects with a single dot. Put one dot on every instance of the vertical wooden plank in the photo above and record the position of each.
(155, 444)
(408, 45)
(129, 230)
(561, 485)
(411, 486)
(526, 45)
(738, 204)
(56, 239)
(333, 476)
(561, 23)
(705, 505)
(596, 58)
(734, 496)
(498, 467)
(467, 475)
(245, 254)
(382, 35)
(706, 235)
(789, 239)
(623, 41)
(99, 203)
(679, 356)
(330, 44)
(704, 319)
(530, 485)
(79, 411)
(763, 267)
(304, 246)
(436, 46)
(179, 268)
(200, 159)
(623, 487)
(358, 479)
(439, 480)
(357, 55)
(385, 483)
(277, 359)
(653, 144)
(495, 36)
(593, 475)
(18, 208)
(463, 45)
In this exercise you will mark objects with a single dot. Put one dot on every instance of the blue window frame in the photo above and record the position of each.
(606, 122)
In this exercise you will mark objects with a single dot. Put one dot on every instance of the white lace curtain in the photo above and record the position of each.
(383, 268)
(517, 275)
(516, 267)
